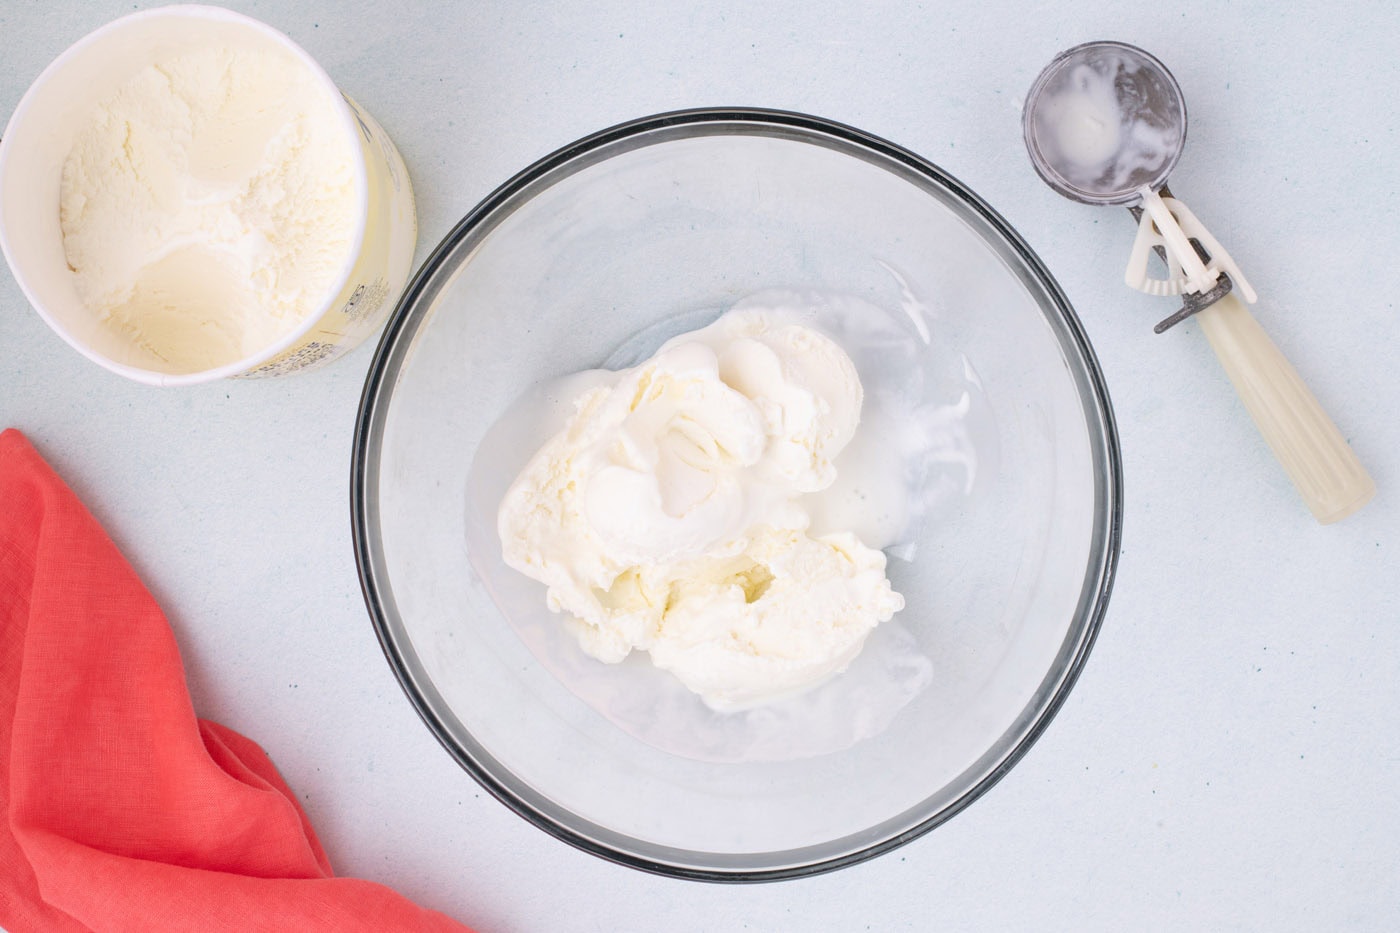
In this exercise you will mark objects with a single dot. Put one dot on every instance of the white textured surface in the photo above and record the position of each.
(1229, 758)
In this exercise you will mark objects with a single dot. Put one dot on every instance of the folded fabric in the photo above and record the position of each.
(125, 811)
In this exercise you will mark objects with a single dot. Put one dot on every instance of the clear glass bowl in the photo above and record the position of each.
(595, 248)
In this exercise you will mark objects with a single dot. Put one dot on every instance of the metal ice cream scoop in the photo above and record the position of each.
(1105, 123)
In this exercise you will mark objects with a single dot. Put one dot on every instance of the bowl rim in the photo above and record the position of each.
(1105, 541)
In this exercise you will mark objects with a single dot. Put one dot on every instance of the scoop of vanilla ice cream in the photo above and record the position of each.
(803, 383)
(665, 516)
(666, 463)
(787, 613)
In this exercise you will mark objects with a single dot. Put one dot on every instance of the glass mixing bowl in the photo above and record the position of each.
(597, 253)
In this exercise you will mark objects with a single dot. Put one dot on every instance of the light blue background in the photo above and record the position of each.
(1230, 757)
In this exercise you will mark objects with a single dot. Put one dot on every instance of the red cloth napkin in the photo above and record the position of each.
(125, 812)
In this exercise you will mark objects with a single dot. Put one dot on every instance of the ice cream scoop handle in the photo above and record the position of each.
(1312, 451)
